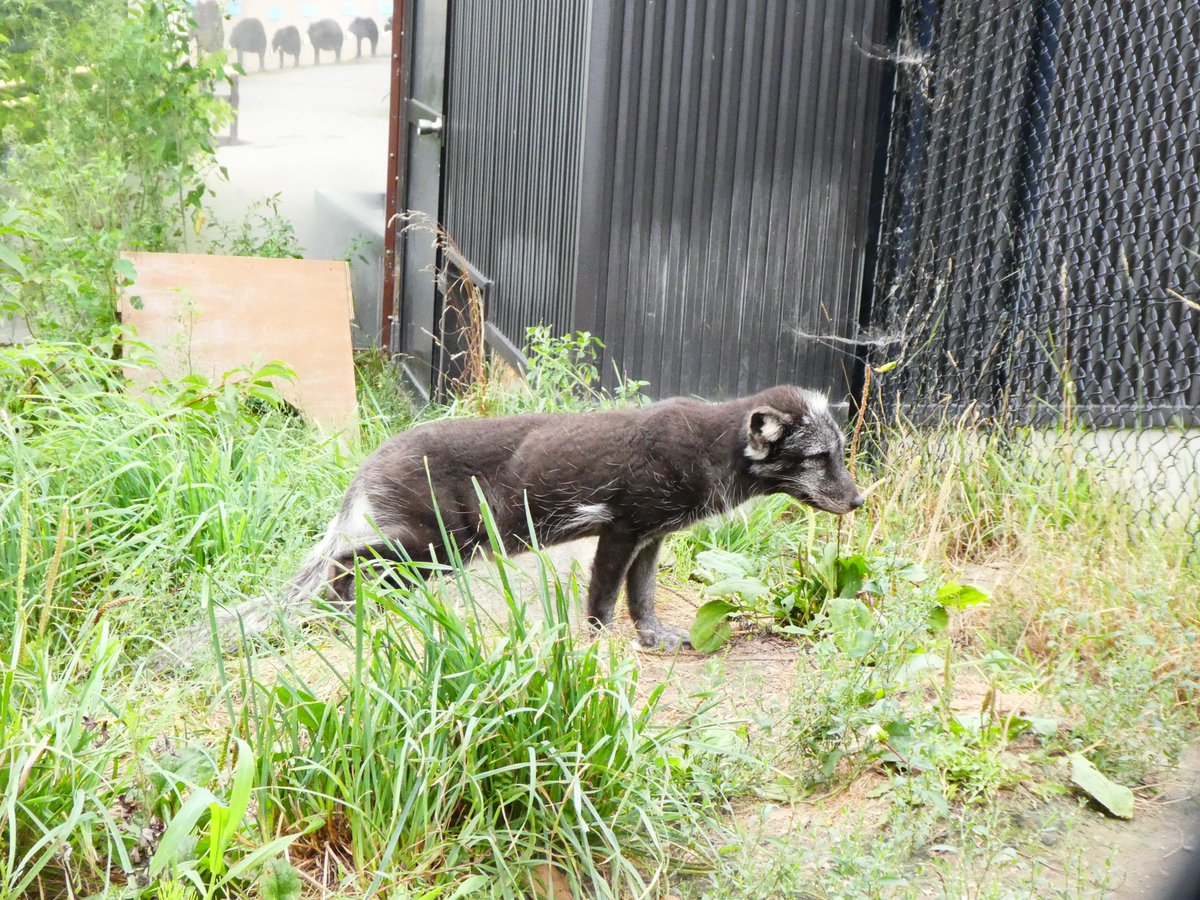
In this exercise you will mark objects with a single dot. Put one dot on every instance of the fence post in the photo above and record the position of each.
(902, 177)
(859, 378)
(1026, 203)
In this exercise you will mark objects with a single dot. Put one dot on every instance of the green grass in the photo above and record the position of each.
(423, 750)
(60, 766)
(1092, 618)
(428, 748)
(418, 750)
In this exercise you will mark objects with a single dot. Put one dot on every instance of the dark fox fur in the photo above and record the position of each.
(629, 476)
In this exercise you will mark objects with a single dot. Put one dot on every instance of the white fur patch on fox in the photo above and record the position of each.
(772, 429)
(357, 524)
(348, 530)
(818, 403)
(588, 514)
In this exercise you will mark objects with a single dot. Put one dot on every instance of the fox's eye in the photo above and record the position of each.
(820, 457)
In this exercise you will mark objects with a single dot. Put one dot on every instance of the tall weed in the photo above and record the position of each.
(428, 748)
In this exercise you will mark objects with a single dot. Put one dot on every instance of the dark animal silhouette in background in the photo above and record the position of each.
(209, 30)
(365, 28)
(287, 40)
(249, 36)
(387, 26)
(325, 34)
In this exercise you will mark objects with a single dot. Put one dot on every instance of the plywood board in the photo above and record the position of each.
(207, 315)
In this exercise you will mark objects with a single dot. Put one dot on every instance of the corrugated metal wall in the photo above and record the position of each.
(727, 182)
(692, 180)
(515, 76)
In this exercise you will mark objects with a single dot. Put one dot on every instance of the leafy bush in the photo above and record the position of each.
(561, 376)
(262, 232)
(865, 700)
(118, 137)
(756, 591)
(872, 623)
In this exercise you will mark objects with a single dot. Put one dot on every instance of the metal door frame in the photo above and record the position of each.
(397, 175)
(393, 309)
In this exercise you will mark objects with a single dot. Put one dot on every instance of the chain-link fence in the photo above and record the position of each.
(1040, 254)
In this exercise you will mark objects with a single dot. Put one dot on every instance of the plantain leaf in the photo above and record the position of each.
(280, 881)
(1115, 798)
(711, 628)
(960, 596)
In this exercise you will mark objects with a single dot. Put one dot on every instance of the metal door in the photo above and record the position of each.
(423, 105)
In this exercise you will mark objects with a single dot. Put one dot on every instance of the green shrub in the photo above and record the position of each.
(116, 140)
(262, 232)
(562, 376)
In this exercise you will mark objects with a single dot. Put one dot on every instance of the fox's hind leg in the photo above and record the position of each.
(614, 553)
(399, 556)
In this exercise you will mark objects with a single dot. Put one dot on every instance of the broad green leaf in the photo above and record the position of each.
(722, 739)
(308, 710)
(960, 596)
(711, 628)
(469, 887)
(851, 621)
(969, 723)
(256, 857)
(280, 881)
(179, 829)
(274, 370)
(189, 766)
(938, 619)
(847, 615)
(1115, 798)
(911, 572)
(239, 792)
(9, 257)
(749, 589)
(1015, 726)
(1043, 726)
(918, 664)
(125, 269)
(784, 788)
(852, 573)
(725, 563)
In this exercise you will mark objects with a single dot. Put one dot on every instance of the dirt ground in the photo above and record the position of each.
(755, 674)
(1163, 840)
(752, 678)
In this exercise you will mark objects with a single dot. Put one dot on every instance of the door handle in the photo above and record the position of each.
(430, 126)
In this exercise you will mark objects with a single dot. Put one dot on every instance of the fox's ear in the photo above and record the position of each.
(764, 426)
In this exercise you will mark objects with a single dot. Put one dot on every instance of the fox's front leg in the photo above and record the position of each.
(640, 581)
